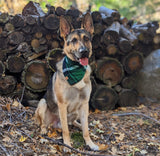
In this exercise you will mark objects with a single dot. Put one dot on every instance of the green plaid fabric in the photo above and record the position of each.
(73, 71)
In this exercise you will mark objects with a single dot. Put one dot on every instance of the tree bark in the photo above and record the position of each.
(109, 12)
(54, 56)
(111, 34)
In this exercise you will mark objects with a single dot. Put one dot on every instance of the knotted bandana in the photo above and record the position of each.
(73, 71)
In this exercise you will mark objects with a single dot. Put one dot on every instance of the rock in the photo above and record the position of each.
(148, 79)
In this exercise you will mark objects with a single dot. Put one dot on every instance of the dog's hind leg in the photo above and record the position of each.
(40, 115)
(77, 124)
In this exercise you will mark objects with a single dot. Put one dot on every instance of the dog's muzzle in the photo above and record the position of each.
(83, 52)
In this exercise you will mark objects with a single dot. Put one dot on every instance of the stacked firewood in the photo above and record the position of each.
(30, 46)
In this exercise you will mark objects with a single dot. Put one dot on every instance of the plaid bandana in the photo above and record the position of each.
(73, 71)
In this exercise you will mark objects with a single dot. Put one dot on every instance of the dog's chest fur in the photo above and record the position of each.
(73, 96)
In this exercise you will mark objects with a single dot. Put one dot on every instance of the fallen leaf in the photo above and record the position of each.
(6, 139)
(114, 150)
(120, 137)
(8, 106)
(144, 152)
(22, 139)
(102, 146)
(97, 111)
(52, 135)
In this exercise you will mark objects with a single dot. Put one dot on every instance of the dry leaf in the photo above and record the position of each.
(22, 139)
(97, 111)
(6, 139)
(52, 135)
(114, 150)
(8, 106)
(120, 137)
(102, 147)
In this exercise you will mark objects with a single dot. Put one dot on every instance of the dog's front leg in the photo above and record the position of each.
(63, 118)
(84, 122)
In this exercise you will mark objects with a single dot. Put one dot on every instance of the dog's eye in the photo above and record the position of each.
(74, 40)
(86, 38)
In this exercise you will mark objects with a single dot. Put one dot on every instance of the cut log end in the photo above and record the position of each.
(110, 71)
(133, 62)
(105, 98)
(36, 76)
(7, 85)
(127, 97)
(54, 56)
(15, 64)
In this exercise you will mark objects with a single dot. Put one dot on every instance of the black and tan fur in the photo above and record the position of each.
(65, 104)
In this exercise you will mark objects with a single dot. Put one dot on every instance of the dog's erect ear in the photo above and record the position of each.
(65, 27)
(87, 23)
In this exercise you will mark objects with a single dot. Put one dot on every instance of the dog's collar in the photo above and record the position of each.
(73, 71)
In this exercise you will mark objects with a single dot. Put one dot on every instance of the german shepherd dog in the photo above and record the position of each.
(67, 97)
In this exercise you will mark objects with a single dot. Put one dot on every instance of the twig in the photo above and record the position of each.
(22, 94)
(4, 149)
(73, 149)
(135, 113)
(24, 133)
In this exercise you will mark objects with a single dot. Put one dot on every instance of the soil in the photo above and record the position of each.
(126, 131)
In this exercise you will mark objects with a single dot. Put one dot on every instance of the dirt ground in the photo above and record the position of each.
(129, 131)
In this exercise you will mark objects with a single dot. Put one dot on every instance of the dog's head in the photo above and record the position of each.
(77, 42)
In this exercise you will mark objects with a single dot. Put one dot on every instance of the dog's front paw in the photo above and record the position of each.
(93, 146)
(66, 150)
(43, 131)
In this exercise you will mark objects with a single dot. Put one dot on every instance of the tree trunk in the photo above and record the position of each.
(51, 22)
(18, 21)
(124, 32)
(108, 20)
(60, 11)
(109, 12)
(7, 84)
(111, 34)
(127, 97)
(129, 82)
(133, 62)
(16, 38)
(2, 68)
(96, 16)
(36, 76)
(54, 56)
(109, 71)
(15, 64)
(112, 49)
(104, 98)
(124, 45)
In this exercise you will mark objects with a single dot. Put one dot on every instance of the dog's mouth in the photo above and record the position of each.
(83, 61)
(82, 56)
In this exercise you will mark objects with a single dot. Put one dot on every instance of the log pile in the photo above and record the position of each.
(30, 46)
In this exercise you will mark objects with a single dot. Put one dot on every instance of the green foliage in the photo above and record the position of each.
(129, 8)
(77, 139)
(132, 9)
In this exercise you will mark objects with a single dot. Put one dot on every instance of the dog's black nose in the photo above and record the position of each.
(84, 52)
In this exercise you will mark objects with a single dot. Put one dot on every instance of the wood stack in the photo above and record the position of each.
(30, 46)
